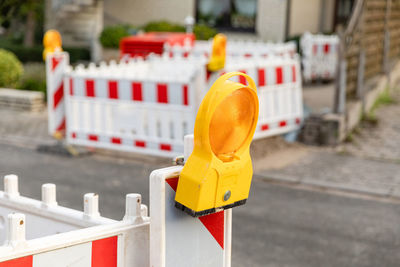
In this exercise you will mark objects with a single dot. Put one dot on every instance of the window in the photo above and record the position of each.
(231, 15)
(344, 10)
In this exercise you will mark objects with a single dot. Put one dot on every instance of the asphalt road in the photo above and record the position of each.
(279, 226)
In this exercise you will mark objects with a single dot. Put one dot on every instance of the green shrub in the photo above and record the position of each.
(110, 36)
(163, 26)
(203, 32)
(34, 54)
(11, 69)
(34, 77)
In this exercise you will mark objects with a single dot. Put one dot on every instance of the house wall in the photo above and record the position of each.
(304, 16)
(271, 20)
(140, 12)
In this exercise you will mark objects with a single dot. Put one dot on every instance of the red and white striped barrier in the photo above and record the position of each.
(170, 238)
(204, 241)
(147, 114)
(41, 233)
(320, 56)
(56, 65)
(279, 87)
(147, 106)
(234, 49)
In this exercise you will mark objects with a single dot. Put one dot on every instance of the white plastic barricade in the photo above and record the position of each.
(179, 240)
(42, 234)
(234, 49)
(279, 89)
(320, 56)
(56, 65)
(149, 113)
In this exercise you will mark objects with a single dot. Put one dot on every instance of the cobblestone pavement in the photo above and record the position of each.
(380, 141)
(369, 164)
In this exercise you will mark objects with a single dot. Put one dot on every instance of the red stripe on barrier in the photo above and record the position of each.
(93, 137)
(294, 73)
(71, 86)
(54, 62)
(282, 123)
(140, 143)
(58, 95)
(116, 140)
(315, 49)
(105, 252)
(215, 223)
(185, 89)
(61, 127)
(248, 55)
(162, 93)
(264, 127)
(166, 147)
(326, 48)
(261, 77)
(20, 262)
(113, 89)
(90, 88)
(73, 135)
(279, 75)
(298, 120)
(137, 92)
(242, 79)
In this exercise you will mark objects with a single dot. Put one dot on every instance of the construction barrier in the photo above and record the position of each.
(234, 49)
(147, 106)
(55, 71)
(43, 234)
(279, 90)
(319, 56)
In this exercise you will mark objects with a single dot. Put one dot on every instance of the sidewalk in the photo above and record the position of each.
(369, 164)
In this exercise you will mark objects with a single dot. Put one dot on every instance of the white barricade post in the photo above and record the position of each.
(56, 65)
(320, 56)
(177, 239)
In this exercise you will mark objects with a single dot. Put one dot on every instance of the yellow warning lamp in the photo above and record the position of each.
(52, 42)
(218, 173)
(218, 54)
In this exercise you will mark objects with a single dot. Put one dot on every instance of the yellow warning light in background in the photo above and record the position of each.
(52, 42)
(218, 53)
(218, 173)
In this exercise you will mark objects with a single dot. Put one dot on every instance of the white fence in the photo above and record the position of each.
(43, 234)
(148, 106)
(320, 56)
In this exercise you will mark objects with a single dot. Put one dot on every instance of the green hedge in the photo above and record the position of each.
(163, 26)
(11, 69)
(34, 54)
(110, 36)
(202, 32)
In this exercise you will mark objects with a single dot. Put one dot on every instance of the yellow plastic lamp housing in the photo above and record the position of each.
(218, 173)
(52, 42)
(218, 53)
